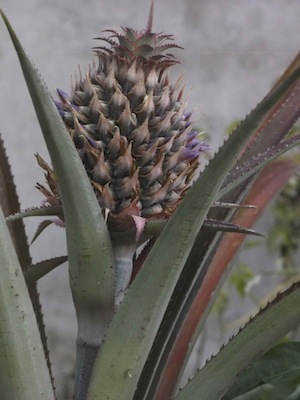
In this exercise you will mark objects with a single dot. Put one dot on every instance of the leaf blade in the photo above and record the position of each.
(279, 365)
(22, 359)
(244, 348)
(127, 344)
(192, 322)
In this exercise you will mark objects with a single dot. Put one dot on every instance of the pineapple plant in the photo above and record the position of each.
(125, 174)
(134, 136)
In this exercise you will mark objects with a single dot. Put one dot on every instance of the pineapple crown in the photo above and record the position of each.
(145, 45)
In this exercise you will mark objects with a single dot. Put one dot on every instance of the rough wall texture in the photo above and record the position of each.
(234, 50)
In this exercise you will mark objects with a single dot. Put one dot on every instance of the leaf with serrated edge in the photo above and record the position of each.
(89, 247)
(10, 204)
(42, 226)
(279, 365)
(224, 226)
(260, 334)
(278, 122)
(287, 108)
(281, 391)
(36, 271)
(203, 291)
(43, 211)
(128, 342)
(257, 163)
(22, 361)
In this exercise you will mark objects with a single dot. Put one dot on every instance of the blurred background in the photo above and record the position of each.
(233, 51)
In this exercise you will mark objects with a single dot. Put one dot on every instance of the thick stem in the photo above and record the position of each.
(93, 322)
(94, 319)
(87, 354)
(124, 247)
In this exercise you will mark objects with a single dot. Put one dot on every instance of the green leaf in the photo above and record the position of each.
(279, 365)
(10, 204)
(223, 226)
(35, 212)
(89, 247)
(286, 391)
(42, 226)
(204, 288)
(259, 335)
(36, 271)
(177, 325)
(257, 163)
(23, 367)
(128, 342)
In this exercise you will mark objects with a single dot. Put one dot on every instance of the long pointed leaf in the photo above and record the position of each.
(89, 247)
(281, 364)
(193, 315)
(292, 67)
(278, 122)
(10, 204)
(270, 131)
(35, 212)
(261, 333)
(280, 391)
(35, 272)
(198, 262)
(23, 367)
(243, 171)
(221, 226)
(268, 184)
(123, 354)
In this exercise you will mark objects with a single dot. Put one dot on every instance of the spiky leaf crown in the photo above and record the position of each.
(146, 45)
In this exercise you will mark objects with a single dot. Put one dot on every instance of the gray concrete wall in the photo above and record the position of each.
(234, 50)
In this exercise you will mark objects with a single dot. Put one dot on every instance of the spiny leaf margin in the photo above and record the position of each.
(281, 364)
(22, 359)
(128, 342)
(262, 332)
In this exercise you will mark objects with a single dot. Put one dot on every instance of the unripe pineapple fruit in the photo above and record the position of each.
(129, 125)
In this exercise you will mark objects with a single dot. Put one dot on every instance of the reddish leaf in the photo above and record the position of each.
(266, 187)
